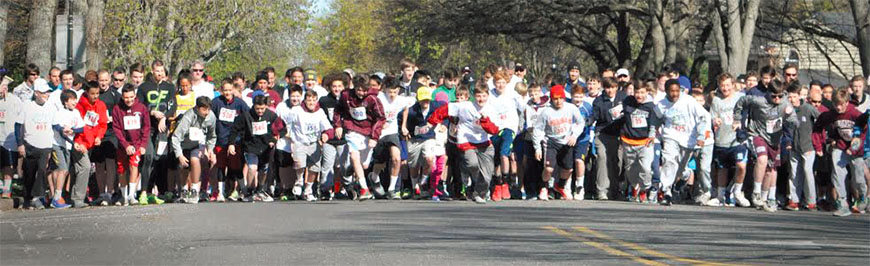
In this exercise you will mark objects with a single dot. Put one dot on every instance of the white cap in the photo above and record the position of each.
(622, 71)
(40, 85)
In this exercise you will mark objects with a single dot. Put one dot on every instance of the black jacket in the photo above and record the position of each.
(601, 113)
(243, 131)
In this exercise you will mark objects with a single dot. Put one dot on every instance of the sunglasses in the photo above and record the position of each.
(34, 74)
(815, 102)
(776, 95)
(119, 80)
(196, 70)
(791, 75)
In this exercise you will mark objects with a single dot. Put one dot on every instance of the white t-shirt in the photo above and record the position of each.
(284, 113)
(468, 130)
(512, 84)
(204, 89)
(305, 127)
(391, 112)
(37, 123)
(683, 121)
(54, 98)
(507, 107)
(67, 118)
(10, 108)
(248, 99)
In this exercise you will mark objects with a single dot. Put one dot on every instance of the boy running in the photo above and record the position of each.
(360, 113)
(557, 128)
(638, 132)
(309, 130)
(227, 107)
(133, 129)
(255, 132)
(193, 142)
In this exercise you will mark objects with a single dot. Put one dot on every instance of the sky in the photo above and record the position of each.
(320, 7)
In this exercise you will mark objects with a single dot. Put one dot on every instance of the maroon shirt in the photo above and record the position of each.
(138, 138)
(844, 124)
(364, 116)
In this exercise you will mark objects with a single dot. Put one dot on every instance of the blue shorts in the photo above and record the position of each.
(403, 147)
(581, 150)
(521, 147)
(503, 142)
(729, 157)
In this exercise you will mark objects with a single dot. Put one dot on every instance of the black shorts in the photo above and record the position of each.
(381, 152)
(729, 157)
(9, 158)
(283, 159)
(107, 150)
(560, 155)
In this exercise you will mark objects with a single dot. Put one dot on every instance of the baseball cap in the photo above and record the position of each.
(622, 72)
(468, 79)
(310, 74)
(573, 65)
(424, 94)
(349, 72)
(466, 69)
(40, 85)
(557, 91)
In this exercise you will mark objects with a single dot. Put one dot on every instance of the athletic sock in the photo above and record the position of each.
(308, 188)
(423, 179)
(757, 188)
(132, 187)
(393, 181)
(772, 194)
(196, 186)
(57, 194)
(737, 188)
(578, 182)
(221, 187)
(124, 193)
(764, 194)
(362, 183)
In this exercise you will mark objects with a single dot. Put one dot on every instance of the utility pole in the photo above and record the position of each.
(69, 35)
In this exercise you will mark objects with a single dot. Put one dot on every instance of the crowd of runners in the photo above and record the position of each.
(130, 137)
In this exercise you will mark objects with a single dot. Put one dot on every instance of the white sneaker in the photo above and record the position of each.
(266, 198)
(479, 200)
(714, 202)
(757, 201)
(543, 195)
(580, 194)
(740, 199)
(703, 198)
(310, 197)
(220, 198)
(297, 191)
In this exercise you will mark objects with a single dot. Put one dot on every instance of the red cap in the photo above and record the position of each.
(557, 91)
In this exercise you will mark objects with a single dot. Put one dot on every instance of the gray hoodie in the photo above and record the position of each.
(193, 131)
(767, 119)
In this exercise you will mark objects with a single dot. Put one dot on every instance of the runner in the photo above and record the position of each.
(10, 110)
(641, 121)
(133, 131)
(729, 151)
(193, 142)
(683, 129)
(359, 112)
(227, 107)
(557, 129)
(93, 111)
(254, 134)
(309, 130)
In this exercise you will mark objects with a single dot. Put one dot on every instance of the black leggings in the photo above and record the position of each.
(35, 165)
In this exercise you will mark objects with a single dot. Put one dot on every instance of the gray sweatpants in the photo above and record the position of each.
(478, 164)
(607, 161)
(638, 160)
(334, 157)
(801, 182)
(856, 164)
(675, 158)
(82, 171)
(705, 162)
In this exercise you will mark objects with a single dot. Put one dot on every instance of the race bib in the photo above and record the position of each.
(42, 127)
(196, 134)
(132, 122)
(309, 129)
(259, 128)
(638, 121)
(2, 115)
(91, 118)
(421, 130)
(391, 116)
(773, 126)
(161, 147)
(727, 118)
(227, 115)
(358, 113)
(616, 112)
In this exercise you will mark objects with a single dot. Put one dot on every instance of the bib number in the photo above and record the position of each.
(773, 126)
(161, 147)
(616, 112)
(259, 128)
(420, 130)
(91, 118)
(227, 115)
(638, 121)
(132, 123)
(196, 134)
(358, 113)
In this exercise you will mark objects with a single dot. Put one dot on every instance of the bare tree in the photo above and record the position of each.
(733, 29)
(861, 12)
(94, 33)
(39, 35)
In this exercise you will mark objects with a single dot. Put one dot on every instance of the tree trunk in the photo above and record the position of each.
(94, 33)
(734, 31)
(40, 34)
(4, 8)
(861, 13)
(657, 34)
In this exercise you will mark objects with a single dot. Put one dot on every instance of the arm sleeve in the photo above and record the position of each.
(146, 131)
(380, 120)
(211, 138)
(577, 125)
(337, 113)
(237, 129)
(738, 108)
(278, 127)
(438, 116)
(118, 127)
(326, 126)
(180, 134)
(538, 133)
(19, 134)
(488, 126)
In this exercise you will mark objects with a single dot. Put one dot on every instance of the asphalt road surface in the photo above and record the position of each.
(429, 233)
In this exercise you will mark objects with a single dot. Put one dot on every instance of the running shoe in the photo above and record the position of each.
(258, 196)
(860, 205)
(213, 197)
(543, 194)
(740, 199)
(246, 198)
(59, 204)
(642, 196)
(395, 195)
(667, 200)
(602, 196)
(297, 191)
(365, 195)
(406, 193)
(792, 206)
(194, 197)
(579, 193)
(234, 196)
(310, 197)
(143, 198)
(417, 193)
(770, 206)
(842, 210)
(220, 198)
(496, 193)
(714, 202)
(267, 198)
(182, 196)
(505, 191)
(563, 194)
(36, 204)
(757, 201)
(703, 198)
(155, 200)
(479, 200)
(436, 199)
(812, 207)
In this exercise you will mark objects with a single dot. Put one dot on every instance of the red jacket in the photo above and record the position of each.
(96, 118)
(373, 111)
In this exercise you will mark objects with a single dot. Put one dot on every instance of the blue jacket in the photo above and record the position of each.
(223, 128)
(416, 118)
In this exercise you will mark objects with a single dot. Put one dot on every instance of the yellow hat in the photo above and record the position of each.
(424, 93)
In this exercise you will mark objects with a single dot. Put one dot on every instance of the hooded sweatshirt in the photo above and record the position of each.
(683, 121)
(134, 125)
(473, 127)
(255, 132)
(640, 121)
(361, 115)
(766, 120)
(96, 120)
(558, 125)
(306, 125)
(157, 97)
(328, 104)
(193, 131)
(605, 111)
(226, 112)
(845, 125)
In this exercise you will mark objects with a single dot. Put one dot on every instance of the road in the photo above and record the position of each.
(430, 233)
